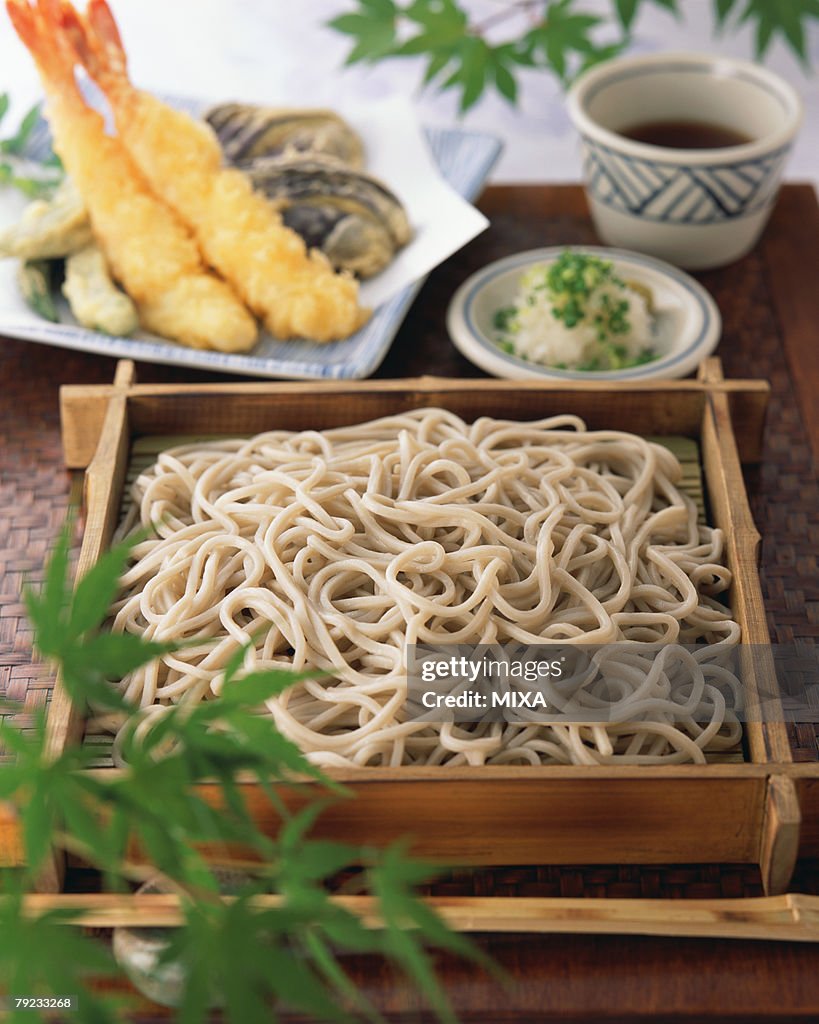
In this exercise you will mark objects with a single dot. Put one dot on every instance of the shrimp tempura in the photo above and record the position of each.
(296, 292)
(149, 250)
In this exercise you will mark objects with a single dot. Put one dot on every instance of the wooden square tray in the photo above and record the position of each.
(735, 812)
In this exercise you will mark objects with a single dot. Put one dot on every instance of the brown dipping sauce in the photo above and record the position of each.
(685, 134)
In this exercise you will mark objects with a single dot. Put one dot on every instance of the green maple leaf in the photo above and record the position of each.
(501, 61)
(627, 10)
(372, 26)
(438, 31)
(471, 74)
(442, 22)
(68, 625)
(786, 18)
(722, 8)
(564, 32)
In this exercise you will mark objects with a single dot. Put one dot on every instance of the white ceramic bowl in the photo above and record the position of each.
(687, 321)
(696, 208)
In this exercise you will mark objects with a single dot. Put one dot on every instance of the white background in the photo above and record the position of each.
(279, 51)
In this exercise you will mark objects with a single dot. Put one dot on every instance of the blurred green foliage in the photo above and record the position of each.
(559, 35)
(252, 958)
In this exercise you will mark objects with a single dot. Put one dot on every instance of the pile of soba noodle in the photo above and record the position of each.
(336, 549)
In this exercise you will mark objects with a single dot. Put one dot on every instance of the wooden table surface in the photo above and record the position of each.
(770, 307)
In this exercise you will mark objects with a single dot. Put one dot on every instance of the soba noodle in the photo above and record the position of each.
(336, 549)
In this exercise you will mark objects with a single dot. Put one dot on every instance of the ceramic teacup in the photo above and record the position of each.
(696, 208)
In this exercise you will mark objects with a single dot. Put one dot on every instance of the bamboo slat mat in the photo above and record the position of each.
(784, 490)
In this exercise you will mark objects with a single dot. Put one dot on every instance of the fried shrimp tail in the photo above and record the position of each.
(240, 233)
(147, 247)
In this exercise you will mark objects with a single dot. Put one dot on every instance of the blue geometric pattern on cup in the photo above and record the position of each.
(674, 194)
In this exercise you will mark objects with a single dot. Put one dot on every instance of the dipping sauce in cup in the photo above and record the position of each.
(683, 153)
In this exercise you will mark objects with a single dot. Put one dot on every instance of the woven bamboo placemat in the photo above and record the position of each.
(35, 489)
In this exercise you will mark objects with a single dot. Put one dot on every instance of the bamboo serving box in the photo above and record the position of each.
(761, 809)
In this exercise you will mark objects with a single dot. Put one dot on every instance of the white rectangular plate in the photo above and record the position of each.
(435, 172)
